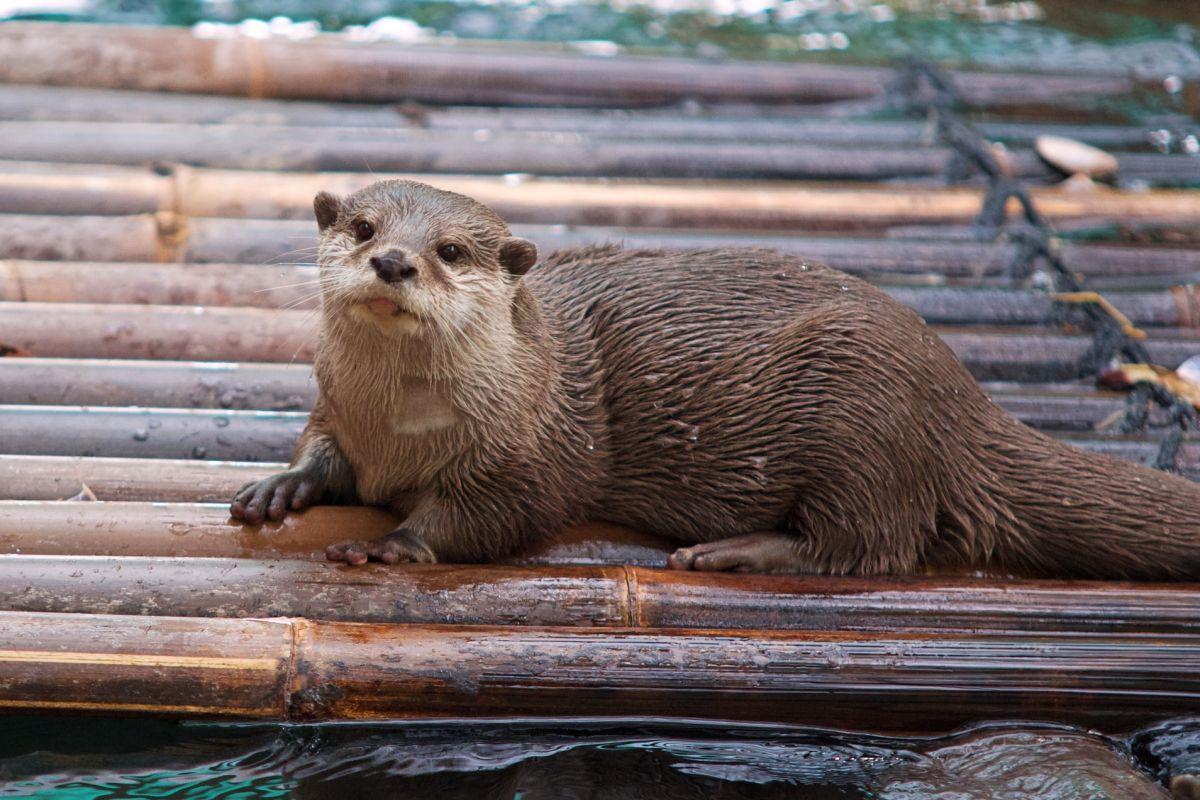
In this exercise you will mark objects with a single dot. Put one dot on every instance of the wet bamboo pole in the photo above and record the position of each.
(295, 287)
(330, 68)
(744, 124)
(561, 154)
(285, 387)
(198, 333)
(178, 530)
(35, 187)
(25, 477)
(588, 596)
(301, 670)
(223, 435)
(174, 333)
(161, 384)
(250, 285)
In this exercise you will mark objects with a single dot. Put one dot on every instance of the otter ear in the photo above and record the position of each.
(328, 208)
(518, 255)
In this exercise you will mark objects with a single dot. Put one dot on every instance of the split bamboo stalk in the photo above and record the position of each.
(331, 68)
(301, 670)
(223, 435)
(34, 188)
(76, 330)
(292, 287)
(590, 596)
(761, 124)
(24, 477)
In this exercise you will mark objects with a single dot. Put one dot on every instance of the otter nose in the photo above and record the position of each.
(393, 267)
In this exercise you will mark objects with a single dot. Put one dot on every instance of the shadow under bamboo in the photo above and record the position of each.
(586, 596)
(303, 670)
(328, 67)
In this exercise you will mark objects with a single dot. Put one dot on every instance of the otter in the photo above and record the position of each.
(771, 413)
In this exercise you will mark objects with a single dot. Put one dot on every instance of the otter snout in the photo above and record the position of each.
(393, 267)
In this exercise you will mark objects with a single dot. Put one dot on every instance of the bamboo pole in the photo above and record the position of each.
(742, 124)
(280, 387)
(595, 596)
(34, 188)
(331, 68)
(292, 287)
(250, 285)
(178, 530)
(264, 147)
(301, 670)
(200, 530)
(223, 435)
(70, 330)
(331, 149)
(200, 333)
(25, 477)
(162, 384)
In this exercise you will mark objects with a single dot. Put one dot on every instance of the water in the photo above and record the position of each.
(93, 759)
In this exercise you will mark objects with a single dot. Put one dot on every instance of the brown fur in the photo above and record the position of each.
(705, 395)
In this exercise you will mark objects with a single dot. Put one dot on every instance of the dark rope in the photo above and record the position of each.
(925, 89)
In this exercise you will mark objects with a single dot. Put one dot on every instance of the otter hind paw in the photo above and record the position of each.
(398, 547)
(271, 498)
(756, 552)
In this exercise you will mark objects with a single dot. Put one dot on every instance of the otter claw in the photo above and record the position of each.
(271, 498)
(398, 547)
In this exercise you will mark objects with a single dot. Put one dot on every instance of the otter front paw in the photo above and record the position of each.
(271, 498)
(399, 546)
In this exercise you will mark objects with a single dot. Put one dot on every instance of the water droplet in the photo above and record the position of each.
(199, 452)
(221, 422)
(141, 435)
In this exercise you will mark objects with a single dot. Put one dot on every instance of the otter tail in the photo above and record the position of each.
(1063, 511)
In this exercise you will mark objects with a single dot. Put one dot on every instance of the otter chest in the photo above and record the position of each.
(396, 436)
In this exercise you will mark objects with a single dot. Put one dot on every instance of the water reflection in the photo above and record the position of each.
(44, 758)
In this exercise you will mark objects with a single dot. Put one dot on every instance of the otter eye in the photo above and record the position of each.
(449, 253)
(363, 230)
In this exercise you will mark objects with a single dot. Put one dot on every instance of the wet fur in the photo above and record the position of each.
(708, 394)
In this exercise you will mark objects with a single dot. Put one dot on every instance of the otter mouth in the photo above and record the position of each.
(385, 308)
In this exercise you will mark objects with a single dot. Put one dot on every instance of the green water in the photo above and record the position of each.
(1107, 35)
(94, 759)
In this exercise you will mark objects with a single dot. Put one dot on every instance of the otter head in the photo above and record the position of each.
(412, 261)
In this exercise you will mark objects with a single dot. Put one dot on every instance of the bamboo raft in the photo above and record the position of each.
(155, 215)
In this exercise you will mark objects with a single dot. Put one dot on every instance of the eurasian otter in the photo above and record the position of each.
(781, 414)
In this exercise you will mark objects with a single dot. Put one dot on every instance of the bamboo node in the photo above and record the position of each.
(171, 236)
